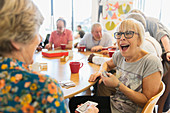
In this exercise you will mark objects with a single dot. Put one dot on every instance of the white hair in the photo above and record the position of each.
(20, 21)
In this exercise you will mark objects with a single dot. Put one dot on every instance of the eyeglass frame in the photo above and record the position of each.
(124, 34)
(60, 28)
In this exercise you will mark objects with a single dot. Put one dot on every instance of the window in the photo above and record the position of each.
(63, 8)
(82, 14)
(45, 8)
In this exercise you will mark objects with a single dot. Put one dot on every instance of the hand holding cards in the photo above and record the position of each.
(104, 73)
(84, 107)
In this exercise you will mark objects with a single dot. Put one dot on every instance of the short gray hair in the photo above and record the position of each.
(20, 21)
(95, 25)
(138, 17)
(137, 11)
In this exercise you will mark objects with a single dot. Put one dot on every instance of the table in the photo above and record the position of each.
(61, 71)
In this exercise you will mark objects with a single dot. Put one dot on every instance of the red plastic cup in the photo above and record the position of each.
(104, 48)
(111, 53)
(82, 48)
(63, 46)
(75, 67)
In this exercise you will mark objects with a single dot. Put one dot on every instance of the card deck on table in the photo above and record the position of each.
(67, 83)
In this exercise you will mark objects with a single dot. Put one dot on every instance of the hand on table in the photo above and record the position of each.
(96, 48)
(94, 76)
(48, 46)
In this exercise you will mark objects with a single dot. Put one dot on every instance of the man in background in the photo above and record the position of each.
(158, 31)
(80, 32)
(60, 36)
(97, 39)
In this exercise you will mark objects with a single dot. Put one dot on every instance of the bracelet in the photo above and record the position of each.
(117, 87)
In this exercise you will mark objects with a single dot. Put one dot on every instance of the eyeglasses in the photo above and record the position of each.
(60, 28)
(127, 34)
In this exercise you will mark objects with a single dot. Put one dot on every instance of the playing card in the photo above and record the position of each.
(93, 103)
(84, 106)
(67, 83)
(104, 73)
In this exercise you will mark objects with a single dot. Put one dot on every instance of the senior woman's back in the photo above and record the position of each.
(22, 90)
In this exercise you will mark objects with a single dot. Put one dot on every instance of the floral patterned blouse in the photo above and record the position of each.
(25, 91)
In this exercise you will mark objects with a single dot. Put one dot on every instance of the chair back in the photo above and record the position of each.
(148, 108)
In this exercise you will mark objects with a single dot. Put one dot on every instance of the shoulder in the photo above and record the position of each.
(117, 57)
(41, 82)
(81, 31)
(87, 35)
(151, 58)
(152, 61)
(32, 76)
(151, 64)
(68, 31)
(151, 19)
(54, 32)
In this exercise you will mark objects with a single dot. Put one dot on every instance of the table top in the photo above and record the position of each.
(61, 71)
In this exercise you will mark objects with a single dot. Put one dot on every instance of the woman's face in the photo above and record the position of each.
(29, 49)
(128, 46)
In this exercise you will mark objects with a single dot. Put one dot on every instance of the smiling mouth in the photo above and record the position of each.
(124, 47)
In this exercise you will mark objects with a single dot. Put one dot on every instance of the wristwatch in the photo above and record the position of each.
(117, 87)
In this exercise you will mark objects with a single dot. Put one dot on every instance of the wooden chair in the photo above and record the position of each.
(164, 97)
(148, 108)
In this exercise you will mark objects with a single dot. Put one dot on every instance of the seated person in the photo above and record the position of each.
(97, 39)
(136, 72)
(23, 90)
(80, 32)
(40, 47)
(79, 35)
(46, 40)
(60, 36)
(160, 32)
(150, 44)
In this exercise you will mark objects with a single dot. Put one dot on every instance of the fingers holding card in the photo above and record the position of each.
(88, 107)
